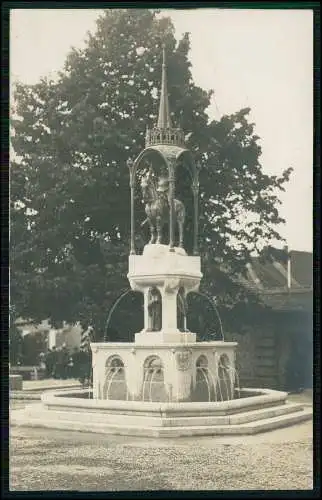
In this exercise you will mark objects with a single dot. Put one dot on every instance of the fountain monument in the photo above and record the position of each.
(165, 383)
(165, 274)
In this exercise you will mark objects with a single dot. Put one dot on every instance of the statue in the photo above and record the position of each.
(155, 311)
(157, 207)
(182, 311)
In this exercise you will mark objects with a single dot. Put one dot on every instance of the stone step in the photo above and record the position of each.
(239, 429)
(19, 418)
(264, 413)
(166, 432)
(235, 419)
(208, 416)
(37, 416)
(25, 395)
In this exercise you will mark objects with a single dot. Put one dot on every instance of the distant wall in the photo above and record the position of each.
(256, 357)
(278, 355)
(69, 336)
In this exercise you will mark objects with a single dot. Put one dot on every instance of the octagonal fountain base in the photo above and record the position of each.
(163, 372)
(257, 410)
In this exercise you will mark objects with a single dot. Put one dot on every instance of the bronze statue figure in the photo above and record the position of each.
(157, 207)
(155, 311)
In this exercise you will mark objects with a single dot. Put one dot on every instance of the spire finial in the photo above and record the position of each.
(163, 132)
(164, 121)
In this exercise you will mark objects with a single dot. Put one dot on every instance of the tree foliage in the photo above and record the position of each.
(70, 187)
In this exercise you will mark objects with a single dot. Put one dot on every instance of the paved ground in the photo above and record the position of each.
(36, 385)
(43, 459)
(32, 389)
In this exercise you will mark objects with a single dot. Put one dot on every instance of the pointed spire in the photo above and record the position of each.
(164, 133)
(164, 120)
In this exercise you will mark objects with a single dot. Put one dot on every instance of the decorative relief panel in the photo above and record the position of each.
(183, 359)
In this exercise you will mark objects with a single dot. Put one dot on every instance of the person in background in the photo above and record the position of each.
(76, 363)
(82, 371)
(64, 361)
(85, 365)
(70, 367)
(42, 363)
(53, 362)
(58, 364)
(49, 363)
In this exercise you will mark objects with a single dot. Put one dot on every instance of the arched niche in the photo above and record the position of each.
(153, 380)
(114, 363)
(224, 362)
(154, 310)
(202, 361)
(203, 386)
(153, 363)
(165, 160)
(114, 384)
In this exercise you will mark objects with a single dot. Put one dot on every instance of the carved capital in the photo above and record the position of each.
(134, 285)
(195, 187)
(130, 163)
(171, 285)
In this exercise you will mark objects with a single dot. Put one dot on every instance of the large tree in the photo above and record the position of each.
(70, 187)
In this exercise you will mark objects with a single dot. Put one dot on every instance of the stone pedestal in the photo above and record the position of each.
(164, 363)
(15, 383)
(164, 337)
(169, 273)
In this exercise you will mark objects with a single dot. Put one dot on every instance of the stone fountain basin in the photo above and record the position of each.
(249, 399)
(266, 410)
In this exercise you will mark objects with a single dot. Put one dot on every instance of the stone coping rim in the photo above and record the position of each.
(53, 398)
(164, 276)
(124, 345)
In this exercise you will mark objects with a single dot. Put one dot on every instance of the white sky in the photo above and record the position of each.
(262, 59)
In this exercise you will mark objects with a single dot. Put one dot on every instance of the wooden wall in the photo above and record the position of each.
(277, 354)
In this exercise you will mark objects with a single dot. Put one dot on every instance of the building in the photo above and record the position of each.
(38, 337)
(277, 349)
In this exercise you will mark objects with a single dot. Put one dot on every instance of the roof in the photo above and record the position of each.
(302, 267)
(270, 279)
(273, 274)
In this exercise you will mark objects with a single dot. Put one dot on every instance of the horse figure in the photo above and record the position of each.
(157, 208)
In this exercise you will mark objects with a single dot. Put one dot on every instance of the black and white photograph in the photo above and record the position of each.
(161, 249)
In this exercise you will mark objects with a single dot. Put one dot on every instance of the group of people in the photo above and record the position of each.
(60, 363)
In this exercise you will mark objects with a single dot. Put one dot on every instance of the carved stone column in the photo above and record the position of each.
(195, 191)
(171, 209)
(132, 176)
(146, 310)
(169, 305)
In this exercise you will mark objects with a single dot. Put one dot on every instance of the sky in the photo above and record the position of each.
(262, 59)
